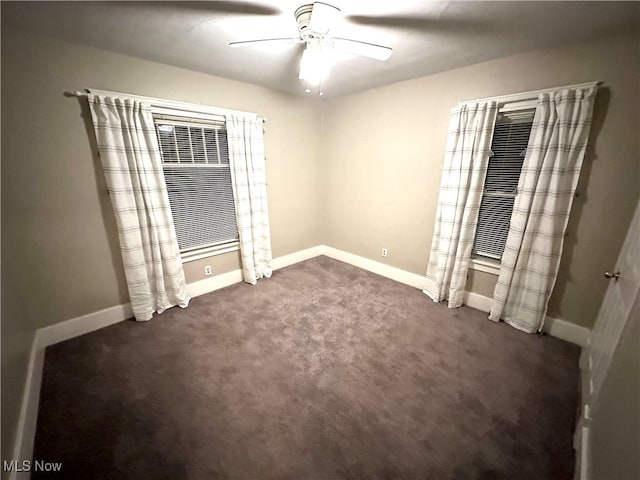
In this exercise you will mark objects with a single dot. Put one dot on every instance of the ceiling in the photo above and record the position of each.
(426, 36)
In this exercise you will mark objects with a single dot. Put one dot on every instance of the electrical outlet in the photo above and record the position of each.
(207, 270)
(384, 252)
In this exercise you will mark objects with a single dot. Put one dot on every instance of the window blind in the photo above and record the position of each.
(509, 146)
(195, 160)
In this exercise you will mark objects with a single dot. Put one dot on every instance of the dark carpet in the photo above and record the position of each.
(324, 371)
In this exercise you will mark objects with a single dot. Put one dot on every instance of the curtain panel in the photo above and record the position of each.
(465, 166)
(130, 157)
(248, 179)
(546, 190)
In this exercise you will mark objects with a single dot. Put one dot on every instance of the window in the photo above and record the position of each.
(195, 161)
(509, 145)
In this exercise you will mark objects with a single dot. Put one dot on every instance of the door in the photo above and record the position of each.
(624, 283)
(609, 328)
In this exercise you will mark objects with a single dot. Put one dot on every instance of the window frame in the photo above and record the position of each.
(191, 118)
(482, 263)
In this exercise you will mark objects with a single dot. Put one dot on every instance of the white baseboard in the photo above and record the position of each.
(223, 280)
(28, 417)
(213, 283)
(93, 321)
(397, 274)
(108, 316)
(553, 326)
(75, 327)
(90, 322)
(477, 301)
(297, 257)
(584, 453)
(556, 327)
(581, 439)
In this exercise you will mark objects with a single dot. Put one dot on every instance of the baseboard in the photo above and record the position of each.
(582, 445)
(581, 440)
(90, 322)
(297, 257)
(223, 280)
(214, 283)
(27, 420)
(397, 274)
(75, 327)
(96, 320)
(477, 301)
(583, 454)
(93, 321)
(556, 327)
(108, 316)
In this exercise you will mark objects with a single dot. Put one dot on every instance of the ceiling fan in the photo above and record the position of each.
(314, 24)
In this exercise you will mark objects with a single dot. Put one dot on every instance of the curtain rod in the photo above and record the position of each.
(161, 102)
(517, 97)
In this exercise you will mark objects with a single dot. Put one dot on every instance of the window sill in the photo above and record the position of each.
(485, 265)
(209, 252)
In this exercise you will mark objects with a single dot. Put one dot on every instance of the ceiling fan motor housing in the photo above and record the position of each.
(315, 21)
(303, 17)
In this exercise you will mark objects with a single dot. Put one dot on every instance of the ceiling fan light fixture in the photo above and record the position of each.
(315, 21)
(314, 65)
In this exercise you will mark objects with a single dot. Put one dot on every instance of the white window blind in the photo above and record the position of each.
(509, 145)
(195, 160)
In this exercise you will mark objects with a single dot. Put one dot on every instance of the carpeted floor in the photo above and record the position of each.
(324, 371)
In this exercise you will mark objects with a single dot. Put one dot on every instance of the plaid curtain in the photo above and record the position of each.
(131, 162)
(541, 210)
(465, 167)
(248, 179)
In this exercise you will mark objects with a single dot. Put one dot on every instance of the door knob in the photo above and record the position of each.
(614, 275)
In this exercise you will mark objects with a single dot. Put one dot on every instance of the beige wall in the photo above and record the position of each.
(59, 209)
(357, 173)
(17, 337)
(60, 253)
(382, 154)
(368, 178)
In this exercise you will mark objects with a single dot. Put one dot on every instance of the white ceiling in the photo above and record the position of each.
(427, 37)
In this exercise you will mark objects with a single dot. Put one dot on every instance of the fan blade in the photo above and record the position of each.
(263, 41)
(322, 18)
(248, 8)
(210, 8)
(364, 49)
(423, 23)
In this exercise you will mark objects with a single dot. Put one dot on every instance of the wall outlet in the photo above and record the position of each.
(207, 270)
(384, 252)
